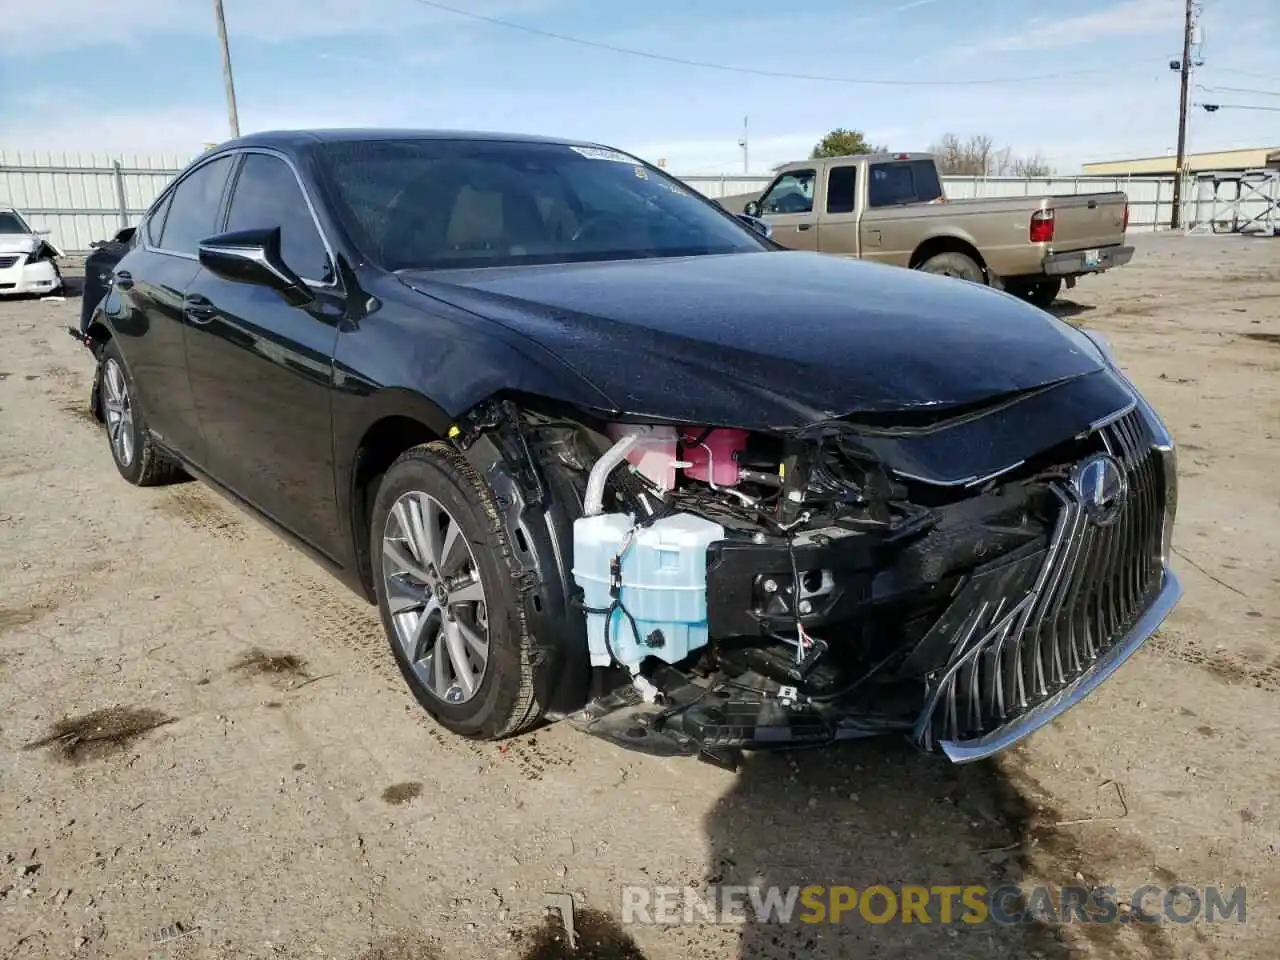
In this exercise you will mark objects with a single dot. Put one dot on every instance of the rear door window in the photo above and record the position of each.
(842, 189)
(155, 222)
(903, 181)
(193, 211)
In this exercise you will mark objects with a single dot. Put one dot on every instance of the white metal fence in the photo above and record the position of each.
(81, 197)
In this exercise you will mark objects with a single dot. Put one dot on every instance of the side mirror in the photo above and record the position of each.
(752, 208)
(253, 256)
(756, 224)
(125, 235)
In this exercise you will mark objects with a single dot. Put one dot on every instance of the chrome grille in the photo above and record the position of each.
(7, 261)
(1031, 623)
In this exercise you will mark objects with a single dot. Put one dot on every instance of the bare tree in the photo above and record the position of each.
(977, 157)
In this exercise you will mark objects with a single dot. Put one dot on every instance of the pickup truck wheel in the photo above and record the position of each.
(447, 599)
(957, 265)
(135, 454)
(1042, 292)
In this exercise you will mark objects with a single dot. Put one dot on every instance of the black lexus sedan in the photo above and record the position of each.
(603, 453)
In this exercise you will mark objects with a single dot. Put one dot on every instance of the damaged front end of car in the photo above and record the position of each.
(955, 575)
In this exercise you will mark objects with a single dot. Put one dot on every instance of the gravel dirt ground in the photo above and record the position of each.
(206, 750)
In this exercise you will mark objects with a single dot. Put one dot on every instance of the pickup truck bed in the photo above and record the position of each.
(891, 208)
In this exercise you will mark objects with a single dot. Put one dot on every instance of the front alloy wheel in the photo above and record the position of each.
(435, 597)
(453, 614)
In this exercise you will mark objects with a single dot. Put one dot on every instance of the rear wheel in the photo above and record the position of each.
(447, 599)
(1041, 292)
(958, 265)
(135, 454)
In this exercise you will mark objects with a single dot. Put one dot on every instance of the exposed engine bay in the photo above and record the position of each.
(748, 590)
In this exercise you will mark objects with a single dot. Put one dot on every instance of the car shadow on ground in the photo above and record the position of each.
(1066, 309)
(72, 286)
(880, 813)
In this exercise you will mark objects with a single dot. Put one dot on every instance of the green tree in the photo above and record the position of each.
(843, 143)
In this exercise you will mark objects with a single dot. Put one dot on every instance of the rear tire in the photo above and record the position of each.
(1041, 292)
(958, 265)
(447, 597)
(133, 451)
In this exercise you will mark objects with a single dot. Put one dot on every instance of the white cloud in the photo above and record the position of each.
(1128, 18)
(30, 30)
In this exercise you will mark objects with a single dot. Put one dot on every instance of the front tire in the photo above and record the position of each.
(134, 453)
(958, 265)
(448, 603)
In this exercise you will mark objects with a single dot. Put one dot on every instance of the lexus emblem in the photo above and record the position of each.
(1102, 487)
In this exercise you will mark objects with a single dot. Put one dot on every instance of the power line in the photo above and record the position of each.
(1214, 107)
(1260, 93)
(775, 74)
(1245, 73)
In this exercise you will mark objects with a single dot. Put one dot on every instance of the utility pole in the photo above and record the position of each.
(746, 166)
(232, 116)
(1185, 69)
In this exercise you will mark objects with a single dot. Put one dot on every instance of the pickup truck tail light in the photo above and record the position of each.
(1042, 226)
(1125, 225)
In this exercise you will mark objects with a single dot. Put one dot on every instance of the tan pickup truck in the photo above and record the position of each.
(891, 208)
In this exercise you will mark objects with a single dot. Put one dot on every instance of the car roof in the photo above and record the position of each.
(302, 138)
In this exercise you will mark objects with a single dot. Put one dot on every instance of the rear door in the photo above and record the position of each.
(261, 368)
(788, 207)
(893, 187)
(151, 281)
(838, 226)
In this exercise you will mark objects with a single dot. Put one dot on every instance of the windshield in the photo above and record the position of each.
(10, 222)
(453, 203)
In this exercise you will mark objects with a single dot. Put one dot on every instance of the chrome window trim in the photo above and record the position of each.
(234, 155)
(311, 209)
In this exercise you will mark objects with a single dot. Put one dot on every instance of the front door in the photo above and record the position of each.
(787, 206)
(261, 369)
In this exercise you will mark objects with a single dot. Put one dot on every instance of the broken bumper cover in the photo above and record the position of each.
(28, 278)
(745, 719)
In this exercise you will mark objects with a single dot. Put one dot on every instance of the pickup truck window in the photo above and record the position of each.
(903, 181)
(842, 189)
(790, 193)
(440, 204)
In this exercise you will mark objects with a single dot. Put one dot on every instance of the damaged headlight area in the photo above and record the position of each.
(745, 590)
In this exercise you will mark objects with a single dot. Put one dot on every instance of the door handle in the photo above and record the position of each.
(804, 226)
(123, 279)
(198, 309)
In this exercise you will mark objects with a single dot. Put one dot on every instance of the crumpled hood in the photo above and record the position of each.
(774, 339)
(18, 242)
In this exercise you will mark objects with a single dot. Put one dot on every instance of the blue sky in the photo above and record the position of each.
(145, 75)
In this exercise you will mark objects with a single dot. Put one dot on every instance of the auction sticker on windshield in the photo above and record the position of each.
(599, 153)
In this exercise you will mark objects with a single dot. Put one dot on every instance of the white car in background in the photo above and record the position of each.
(27, 258)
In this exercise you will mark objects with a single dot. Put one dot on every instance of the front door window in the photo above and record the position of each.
(790, 193)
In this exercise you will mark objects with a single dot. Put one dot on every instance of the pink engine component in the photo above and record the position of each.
(714, 460)
(655, 455)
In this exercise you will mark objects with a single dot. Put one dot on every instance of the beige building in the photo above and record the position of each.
(1250, 159)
